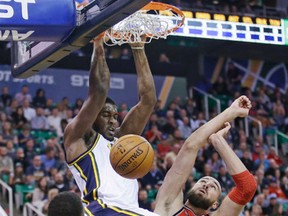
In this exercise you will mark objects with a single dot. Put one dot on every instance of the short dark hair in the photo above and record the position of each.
(66, 204)
(110, 101)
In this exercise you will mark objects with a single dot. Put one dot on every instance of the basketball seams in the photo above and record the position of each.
(147, 153)
(128, 152)
(130, 159)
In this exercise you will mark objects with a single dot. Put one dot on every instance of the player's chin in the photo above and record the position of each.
(109, 135)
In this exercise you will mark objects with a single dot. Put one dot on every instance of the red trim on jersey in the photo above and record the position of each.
(185, 211)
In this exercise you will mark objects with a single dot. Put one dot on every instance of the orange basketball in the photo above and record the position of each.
(131, 156)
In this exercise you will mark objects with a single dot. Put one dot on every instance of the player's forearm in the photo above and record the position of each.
(99, 77)
(145, 82)
(233, 163)
(200, 137)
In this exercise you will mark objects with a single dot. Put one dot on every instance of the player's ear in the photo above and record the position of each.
(215, 205)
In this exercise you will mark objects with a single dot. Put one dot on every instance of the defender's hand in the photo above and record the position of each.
(241, 106)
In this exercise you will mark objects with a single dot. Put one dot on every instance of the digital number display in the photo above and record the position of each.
(234, 27)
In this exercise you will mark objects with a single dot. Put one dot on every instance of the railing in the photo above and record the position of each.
(206, 102)
(2, 212)
(259, 123)
(6, 187)
(30, 210)
(283, 144)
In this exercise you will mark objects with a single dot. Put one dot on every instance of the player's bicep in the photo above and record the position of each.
(227, 203)
(165, 205)
(178, 173)
(135, 120)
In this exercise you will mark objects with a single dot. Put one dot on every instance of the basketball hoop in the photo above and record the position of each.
(154, 21)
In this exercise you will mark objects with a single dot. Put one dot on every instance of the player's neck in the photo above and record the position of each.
(196, 211)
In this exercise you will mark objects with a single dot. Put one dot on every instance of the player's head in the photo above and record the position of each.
(66, 204)
(205, 193)
(106, 120)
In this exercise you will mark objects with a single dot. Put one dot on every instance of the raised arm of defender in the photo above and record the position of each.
(170, 196)
(242, 193)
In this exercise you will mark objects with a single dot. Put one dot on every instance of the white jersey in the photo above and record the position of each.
(104, 192)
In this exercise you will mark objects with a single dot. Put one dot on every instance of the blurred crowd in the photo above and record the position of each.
(32, 159)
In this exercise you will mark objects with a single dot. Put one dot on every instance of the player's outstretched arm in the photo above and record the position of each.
(99, 81)
(245, 183)
(138, 116)
(184, 163)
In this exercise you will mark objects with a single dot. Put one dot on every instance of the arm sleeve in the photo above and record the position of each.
(245, 188)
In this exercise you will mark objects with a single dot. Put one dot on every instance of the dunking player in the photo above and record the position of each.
(89, 136)
(204, 195)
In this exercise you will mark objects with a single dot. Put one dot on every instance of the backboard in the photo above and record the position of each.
(30, 57)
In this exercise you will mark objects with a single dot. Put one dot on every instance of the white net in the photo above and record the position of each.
(130, 30)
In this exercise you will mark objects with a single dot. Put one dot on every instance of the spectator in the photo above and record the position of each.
(23, 94)
(215, 162)
(61, 164)
(19, 158)
(6, 97)
(173, 153)
(185, 128)
(54, 121)
(262, 161)
(48, 159)
(8, 134)
(29, 112)
(37, 169)
(274, 187)
(18, 118)
(10, 148)
(3, 119)
(78, 103)
(51, 194)
(18, 177)
(274, 208)
(123, 110)
(29, 151)
(200, 120)
(153, 176)
(154, 136)
(12, 107)
(143, 200)
(40, 193)
(24, 135)
(225, 179)
(59, 183)
(39, 100)
(279, 113)
(6, 165)
(191, 108)
(241, 148)
(171, 125)
(246, 160)
(65, 103)
(219, 87)
(39, 122)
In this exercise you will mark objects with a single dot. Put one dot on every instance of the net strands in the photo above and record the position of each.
(153, 24)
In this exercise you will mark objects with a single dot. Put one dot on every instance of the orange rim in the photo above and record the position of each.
(162, 7)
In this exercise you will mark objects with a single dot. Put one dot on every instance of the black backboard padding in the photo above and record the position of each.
(80, 37)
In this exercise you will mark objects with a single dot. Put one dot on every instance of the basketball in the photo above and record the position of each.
(131, 156)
